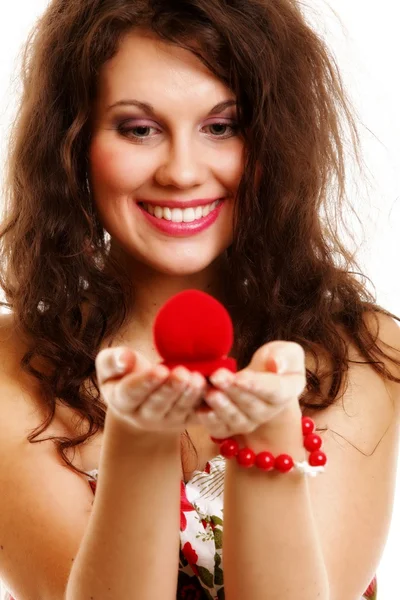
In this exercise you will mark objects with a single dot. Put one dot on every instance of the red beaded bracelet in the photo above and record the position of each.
(283, 463)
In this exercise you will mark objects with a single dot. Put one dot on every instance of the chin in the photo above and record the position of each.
(176, 260)
(184, 266)
(180, 271)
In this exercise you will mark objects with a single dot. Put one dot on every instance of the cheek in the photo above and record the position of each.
(231, 168)
(114, 168)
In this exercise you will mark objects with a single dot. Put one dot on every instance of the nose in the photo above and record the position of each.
(183, 166)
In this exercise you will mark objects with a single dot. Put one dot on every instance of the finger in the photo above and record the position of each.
(133, 390)
(112, 363)
(225, 411)
(254, 407)
(159, 403)
(289, 357)
(270, 388)
(190, 397)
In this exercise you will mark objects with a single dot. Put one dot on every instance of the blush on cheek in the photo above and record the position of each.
(109, 166)
(118, 167)
(102, 159)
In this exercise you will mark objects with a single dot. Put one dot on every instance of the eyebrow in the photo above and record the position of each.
(149, 109)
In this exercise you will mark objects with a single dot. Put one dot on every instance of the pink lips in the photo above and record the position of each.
(183, 229)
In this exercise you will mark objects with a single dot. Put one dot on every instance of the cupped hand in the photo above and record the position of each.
(146, 397)
(243, 402)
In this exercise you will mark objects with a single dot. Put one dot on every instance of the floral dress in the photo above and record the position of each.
(200, 574)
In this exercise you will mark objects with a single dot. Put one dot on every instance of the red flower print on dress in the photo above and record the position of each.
(208, 522)
(185, 506)
(191, 556)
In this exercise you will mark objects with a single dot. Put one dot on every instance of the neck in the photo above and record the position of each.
(151, 290)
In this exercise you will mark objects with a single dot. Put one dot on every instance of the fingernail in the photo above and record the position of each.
(222, 380)
(120, 362)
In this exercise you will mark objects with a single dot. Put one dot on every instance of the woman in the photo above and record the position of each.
(163, 146)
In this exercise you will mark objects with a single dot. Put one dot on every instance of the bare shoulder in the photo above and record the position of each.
(353, 501)
(35, 561)
(23, 409)
(21, 405)
(11, 345)
(368, 405)
(18, 388)
(387, 333)
(12, 349)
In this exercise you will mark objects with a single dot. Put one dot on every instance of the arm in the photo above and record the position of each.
(271, 542)
(55, 536)
(275, 529)
(131, 545)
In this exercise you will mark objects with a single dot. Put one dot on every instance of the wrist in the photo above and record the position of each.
(119, 432)
(248, 449)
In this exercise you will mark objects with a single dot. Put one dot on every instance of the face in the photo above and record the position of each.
(166, 157)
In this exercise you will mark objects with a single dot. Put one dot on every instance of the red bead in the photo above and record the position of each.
(265, 461)
(246, 457)
(308, 425)
(283, 463)
(312, 442)
(229, 448)
(317, 459)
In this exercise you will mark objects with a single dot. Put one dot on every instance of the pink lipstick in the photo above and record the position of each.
(183, 229)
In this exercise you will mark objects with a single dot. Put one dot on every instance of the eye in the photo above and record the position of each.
(221, 127)
(137, 132)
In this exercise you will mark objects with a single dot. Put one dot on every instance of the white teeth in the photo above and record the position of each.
(198, 213)
(188, 215)
(178, 215)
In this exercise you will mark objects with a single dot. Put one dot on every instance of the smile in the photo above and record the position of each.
(179, 215)
(181, 222)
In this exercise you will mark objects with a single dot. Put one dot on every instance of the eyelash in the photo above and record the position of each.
(141, 140)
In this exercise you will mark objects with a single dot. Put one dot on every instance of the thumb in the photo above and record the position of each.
(279, 357)
(115, 363)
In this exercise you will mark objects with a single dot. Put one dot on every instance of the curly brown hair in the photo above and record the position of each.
(282, 278)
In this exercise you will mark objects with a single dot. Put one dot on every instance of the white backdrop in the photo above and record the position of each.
(367, 47)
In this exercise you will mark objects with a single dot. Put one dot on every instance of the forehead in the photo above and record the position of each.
(145, 67)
